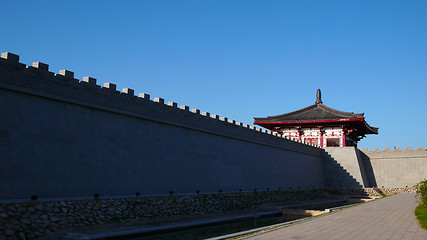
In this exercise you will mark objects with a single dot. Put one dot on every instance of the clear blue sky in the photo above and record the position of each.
(242, 59)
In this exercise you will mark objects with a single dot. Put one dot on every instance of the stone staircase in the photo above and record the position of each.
(336, 175)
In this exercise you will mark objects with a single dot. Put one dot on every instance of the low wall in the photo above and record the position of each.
(28, 220)
(397, 167)
(387, 168)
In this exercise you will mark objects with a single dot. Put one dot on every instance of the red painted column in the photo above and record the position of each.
(343, 139)
(343, 136)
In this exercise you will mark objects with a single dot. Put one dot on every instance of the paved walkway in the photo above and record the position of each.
(388, 218)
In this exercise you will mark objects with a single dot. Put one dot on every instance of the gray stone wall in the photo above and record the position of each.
(65, 138)
(397, 167)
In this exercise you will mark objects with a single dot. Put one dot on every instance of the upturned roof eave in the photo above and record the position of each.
(367, 128)
(292, 116)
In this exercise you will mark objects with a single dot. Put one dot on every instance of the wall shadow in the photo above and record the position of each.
(369, 178)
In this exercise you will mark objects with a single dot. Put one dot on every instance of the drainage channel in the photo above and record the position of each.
(218, 226)
(220, 229)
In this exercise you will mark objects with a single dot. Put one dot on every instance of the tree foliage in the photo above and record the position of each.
(422, 192)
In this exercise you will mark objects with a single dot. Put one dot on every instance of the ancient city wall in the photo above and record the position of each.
(397, 167)
(73, 153)
(65, 138)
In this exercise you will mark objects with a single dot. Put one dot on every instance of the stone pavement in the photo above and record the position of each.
(387, 218)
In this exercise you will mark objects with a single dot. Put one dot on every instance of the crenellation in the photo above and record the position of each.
(67, 74)
(12, 60)
(420, 149)
(232, 121)
(206, 114)
(246, 125)
(144, 96)
(185, 108)
(386, 150)
(397, 149)
(110, 86)
(396, 152)
(409, 149)
(364, 150)
(239, 124)
(264, 131)
(10, 57)
(89, 80)
(224, 119)
(173, 104)
(41, 66)
(252, 127)
(258, 129)
(159, 100)
(40, 69)
(195, 111)
(128, 91)
(215, 116)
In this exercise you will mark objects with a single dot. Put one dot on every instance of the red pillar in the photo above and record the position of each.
(344, 134)
(343, 139)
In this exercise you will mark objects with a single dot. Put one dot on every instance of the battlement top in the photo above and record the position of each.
(420, 149)
(65, 79)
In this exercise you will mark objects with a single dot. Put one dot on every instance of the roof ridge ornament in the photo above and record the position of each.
(318, 97)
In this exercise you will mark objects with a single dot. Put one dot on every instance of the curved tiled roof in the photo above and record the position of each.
(316, 113)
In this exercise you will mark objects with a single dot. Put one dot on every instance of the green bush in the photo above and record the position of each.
(421, 213)
(422, 192)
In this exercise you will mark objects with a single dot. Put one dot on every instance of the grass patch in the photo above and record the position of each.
(421, 213)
